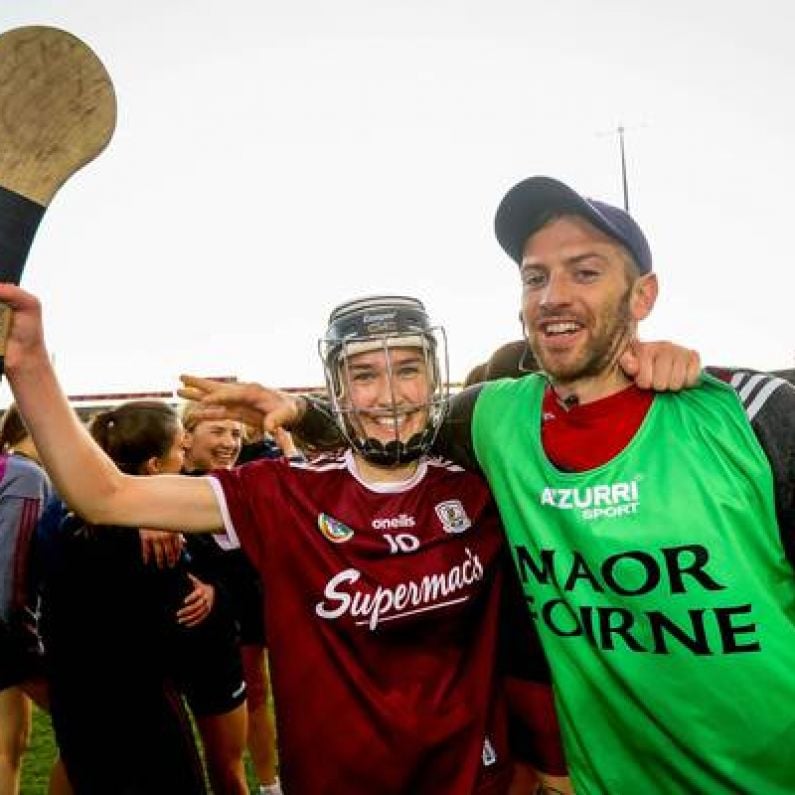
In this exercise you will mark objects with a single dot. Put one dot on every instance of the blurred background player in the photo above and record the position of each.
(24, 490)
(210, 445)
(107, 621)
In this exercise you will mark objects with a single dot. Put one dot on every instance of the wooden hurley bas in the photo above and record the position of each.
(57, 113)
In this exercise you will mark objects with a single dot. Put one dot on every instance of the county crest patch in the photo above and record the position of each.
(333, 529)
(453, 517)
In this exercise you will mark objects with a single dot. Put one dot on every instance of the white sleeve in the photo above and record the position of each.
(228, 539)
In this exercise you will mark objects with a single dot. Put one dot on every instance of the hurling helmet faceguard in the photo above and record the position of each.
(381, 323)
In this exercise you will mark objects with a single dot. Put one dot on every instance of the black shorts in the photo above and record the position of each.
(207, 665)
(244, 587)
(20, 655)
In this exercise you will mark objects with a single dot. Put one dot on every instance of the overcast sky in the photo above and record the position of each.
(272, 159)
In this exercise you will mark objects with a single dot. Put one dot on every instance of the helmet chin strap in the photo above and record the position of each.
(395, 452)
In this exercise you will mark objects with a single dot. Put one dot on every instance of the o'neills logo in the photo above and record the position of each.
(370, 606)
(595, 502)
(394, 522)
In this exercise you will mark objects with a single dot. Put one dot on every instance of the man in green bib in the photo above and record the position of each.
(652, 532)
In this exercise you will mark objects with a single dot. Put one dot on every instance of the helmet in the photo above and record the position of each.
(380, 323)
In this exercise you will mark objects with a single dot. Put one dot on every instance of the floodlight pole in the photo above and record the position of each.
(620, 132)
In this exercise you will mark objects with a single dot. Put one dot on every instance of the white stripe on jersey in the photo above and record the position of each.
(754, 390)
(229, 539)
(443, 463)
(324, 464)
(749, 386)
(770, 387)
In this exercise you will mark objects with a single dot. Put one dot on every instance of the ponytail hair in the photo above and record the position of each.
(134, 432)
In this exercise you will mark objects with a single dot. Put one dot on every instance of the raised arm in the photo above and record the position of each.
(261, 407)
(85, 477)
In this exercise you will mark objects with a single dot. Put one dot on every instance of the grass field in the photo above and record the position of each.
(38, 760)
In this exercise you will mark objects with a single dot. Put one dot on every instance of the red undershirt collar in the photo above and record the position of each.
(589, 435)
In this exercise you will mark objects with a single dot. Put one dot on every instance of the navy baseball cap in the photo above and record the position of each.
(526, 205)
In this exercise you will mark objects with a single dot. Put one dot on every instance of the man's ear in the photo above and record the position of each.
(522, 324)
(644, 296)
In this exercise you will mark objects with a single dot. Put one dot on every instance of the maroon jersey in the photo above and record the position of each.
(381, 606)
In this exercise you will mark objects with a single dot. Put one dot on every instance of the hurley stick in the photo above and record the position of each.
(57, 113)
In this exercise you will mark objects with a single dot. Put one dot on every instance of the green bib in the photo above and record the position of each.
(660, 588)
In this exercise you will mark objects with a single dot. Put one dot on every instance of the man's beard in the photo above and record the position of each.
(601, 354)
